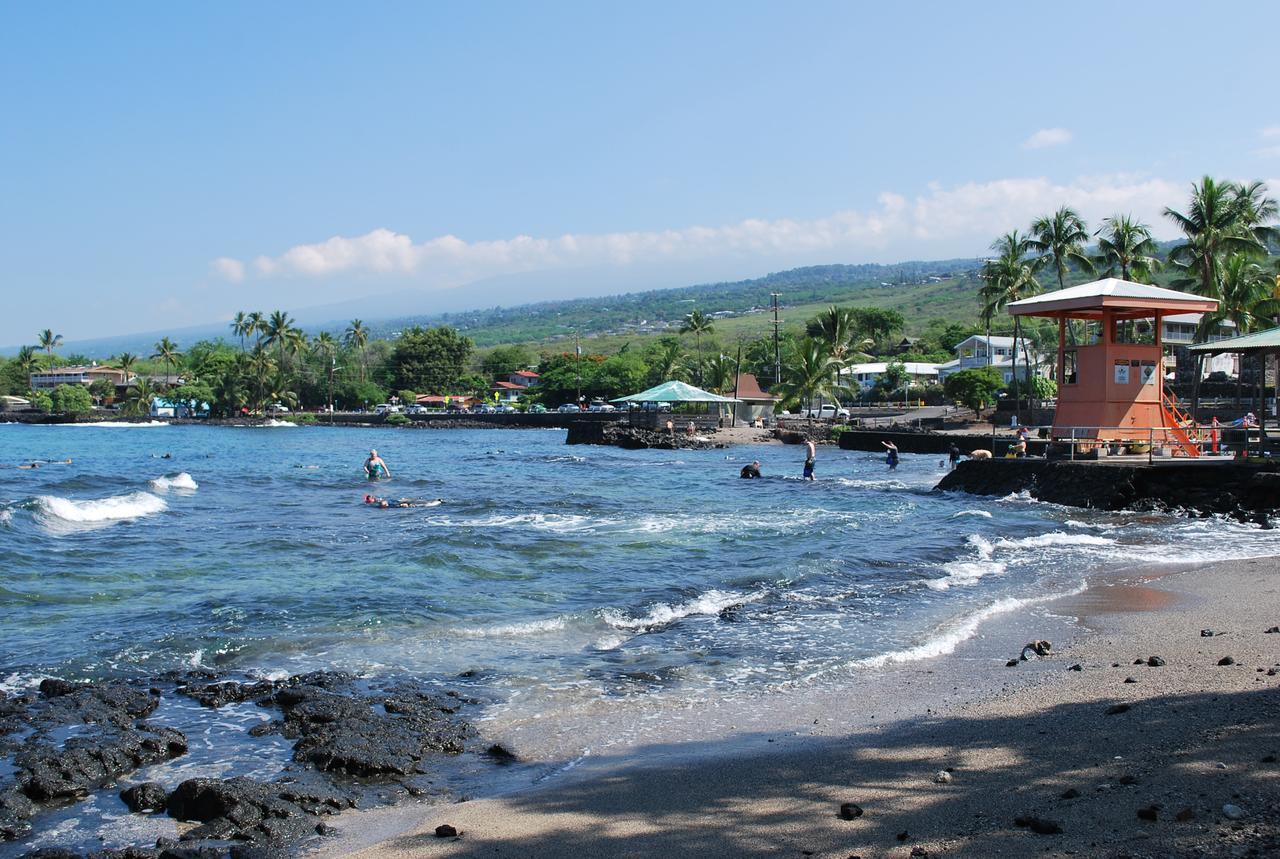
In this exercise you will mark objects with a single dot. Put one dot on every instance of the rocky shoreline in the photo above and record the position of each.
(354, 744)
(1245, 491)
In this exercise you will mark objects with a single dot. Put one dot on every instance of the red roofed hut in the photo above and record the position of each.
(1113, 386)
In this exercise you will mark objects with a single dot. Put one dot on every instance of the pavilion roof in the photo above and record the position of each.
(1111, 294)
(1259, 341)
(675, 392)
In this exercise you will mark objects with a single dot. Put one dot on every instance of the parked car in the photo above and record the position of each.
(827, 411)
(417, 409)
(277, 409)
(506, 410)
(537, 409)
(569, 407)
(601, 406)
(387, 409)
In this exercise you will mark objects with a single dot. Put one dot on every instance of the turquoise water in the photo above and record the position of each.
(551, 575)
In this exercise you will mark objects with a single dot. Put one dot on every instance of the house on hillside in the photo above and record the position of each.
(996, 352)
(523, 378)
(87, 374)
(865, 376)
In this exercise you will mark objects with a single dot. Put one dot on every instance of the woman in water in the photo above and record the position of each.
(891, 455)
(375, 467)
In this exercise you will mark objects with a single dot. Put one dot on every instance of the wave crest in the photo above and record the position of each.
(181, 480)
(117, 508)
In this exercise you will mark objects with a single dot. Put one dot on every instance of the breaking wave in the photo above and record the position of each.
(118, 508)
(663, 614)
(181, 480)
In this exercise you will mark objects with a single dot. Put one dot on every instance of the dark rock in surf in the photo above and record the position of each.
(148, 796)
(247, 810)
(86, 763)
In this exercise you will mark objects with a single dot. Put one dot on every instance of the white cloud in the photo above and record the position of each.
(1271, 131)
(1046, 137)
(228, 268)
(956, 220)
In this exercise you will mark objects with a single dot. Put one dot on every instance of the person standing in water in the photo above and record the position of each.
(375, 467)
(810, 454)
(751, 470)
(954, 456)
(891, 455)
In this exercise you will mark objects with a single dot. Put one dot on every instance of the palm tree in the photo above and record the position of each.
(809, 373)
(1125, 247)
(697, 323)
(1060, 239)
(839, 328)
(256, 324)
(1216, 223)
(140, 395)
(1007, 278)
(1246, 297)
(260, 368)
(50, 341)
(720, 373)
(357, 338)
(167, 351)
(127, 361)
(241, 326)
(276, 331)
(27, 362)
(324, 346)
(1258, 211)
(667, 363)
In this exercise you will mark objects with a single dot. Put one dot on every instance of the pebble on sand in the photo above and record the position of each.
(850, 811)
(1226, 660)
(1232, 812)
(942, 777)
(444, 830)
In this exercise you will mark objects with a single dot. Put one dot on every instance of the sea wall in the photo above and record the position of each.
(927, 442)
(635, 438)
(1246, 491)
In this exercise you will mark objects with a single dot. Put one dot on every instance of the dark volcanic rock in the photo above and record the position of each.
(1226, 660)
(850, 811)
(444, 830)
(247, 810)
(347, 733)
(635, 438)
(1039, 825)
(89, 762)
(227, 692)
(1116, 709)
(148, 796)
(1155, 661)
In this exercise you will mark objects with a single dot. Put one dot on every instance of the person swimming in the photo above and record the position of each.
(375, 467)
(750, 470)
(387, 503)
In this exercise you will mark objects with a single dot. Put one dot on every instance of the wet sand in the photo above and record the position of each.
(1141, 768)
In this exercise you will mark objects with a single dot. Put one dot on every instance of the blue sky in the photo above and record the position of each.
(164, 165)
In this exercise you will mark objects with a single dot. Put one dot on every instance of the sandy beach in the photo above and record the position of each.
(973, 758)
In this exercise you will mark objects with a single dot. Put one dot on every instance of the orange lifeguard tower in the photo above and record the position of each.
(1112, 388)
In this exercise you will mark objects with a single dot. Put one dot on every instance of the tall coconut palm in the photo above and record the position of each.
(260, 368)
(697, 323)
(49, 341)
(1216, 224)
(1125, 247)
(324, 346)
(1258, 212)
(357, 337)
(667, 361)
(1060, 240)
(241, 326)
(1007, 278)
(127, 361)
(167, 351)
(276, 332)
(809, 373)
(256, 324)
(1246, 297)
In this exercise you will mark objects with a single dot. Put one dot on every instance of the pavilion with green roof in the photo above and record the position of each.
(675, 393)
(1259, 344)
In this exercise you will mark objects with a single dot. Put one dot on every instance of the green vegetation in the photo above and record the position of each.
(976, 388)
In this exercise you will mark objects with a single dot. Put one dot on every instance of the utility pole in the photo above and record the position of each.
(577, 349)
(777, 346)
(333, 367)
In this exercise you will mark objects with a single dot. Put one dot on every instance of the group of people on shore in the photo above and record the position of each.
(891, 459)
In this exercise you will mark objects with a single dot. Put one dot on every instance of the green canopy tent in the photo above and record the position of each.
(1260, 344)
(675, 392)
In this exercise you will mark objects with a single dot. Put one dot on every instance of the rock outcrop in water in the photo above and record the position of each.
(1248, 492)
(352, 742)
(636, 438)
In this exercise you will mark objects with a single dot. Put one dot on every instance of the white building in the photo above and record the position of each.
(866, 375)
(996, 352)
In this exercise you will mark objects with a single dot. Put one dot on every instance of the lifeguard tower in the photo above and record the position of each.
(1111, 388)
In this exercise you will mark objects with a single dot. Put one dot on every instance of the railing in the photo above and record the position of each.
(1082, 440)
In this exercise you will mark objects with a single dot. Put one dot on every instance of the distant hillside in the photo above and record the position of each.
(942, 288)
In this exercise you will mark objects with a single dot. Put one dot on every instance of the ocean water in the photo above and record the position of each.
(551, 577)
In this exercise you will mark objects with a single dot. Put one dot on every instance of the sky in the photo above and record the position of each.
(163, 165)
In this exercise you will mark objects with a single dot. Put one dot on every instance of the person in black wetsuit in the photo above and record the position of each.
(751, 470)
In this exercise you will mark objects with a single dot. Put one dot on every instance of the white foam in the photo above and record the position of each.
(6, 516)
(272, 422)
(985, 514)
(710, 603)
(948, 637)
(1021, 497)
(555, 522)
(517, 630)
(117, 424)
(1053, 539)
(181, 480)
(117, 508)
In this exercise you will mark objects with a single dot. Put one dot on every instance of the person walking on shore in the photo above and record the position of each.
(810, 454)
(891, 455)
(375, 467)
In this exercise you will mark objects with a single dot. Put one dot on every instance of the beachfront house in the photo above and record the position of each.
(507, 393)
(997, 352)
(84, 374)
(1179, 333)
(866, 376)
(523, 379)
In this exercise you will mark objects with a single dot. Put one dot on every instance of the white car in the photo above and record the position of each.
(387, 409)
(828, 411)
